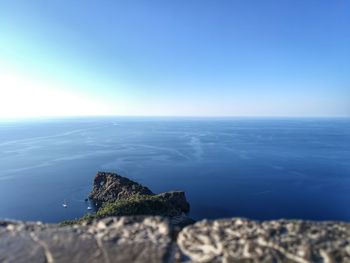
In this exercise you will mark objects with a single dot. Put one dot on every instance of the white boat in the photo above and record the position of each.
(89, 208)
(65, 204)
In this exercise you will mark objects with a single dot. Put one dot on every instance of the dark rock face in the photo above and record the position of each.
(176, 199)
(109, 187)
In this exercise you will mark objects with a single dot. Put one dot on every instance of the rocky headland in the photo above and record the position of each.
(115, 195)
(132, 224)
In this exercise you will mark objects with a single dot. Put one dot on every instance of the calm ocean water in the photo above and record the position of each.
(256, 168)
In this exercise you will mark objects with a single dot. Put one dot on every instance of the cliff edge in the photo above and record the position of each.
(151, 239)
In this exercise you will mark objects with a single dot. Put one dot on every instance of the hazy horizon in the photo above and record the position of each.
(213, 117)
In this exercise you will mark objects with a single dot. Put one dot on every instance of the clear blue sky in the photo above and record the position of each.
(183, 57)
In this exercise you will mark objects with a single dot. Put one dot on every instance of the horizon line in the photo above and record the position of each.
(28, 118)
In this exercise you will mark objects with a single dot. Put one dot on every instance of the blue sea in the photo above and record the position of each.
(259, 168)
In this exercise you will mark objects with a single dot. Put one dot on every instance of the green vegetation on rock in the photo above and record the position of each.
(138, 205)
(133, 205)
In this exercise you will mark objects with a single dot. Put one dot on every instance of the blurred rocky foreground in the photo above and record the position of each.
(154, 239)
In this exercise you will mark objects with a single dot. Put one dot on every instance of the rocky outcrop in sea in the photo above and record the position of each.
(115, 195)
(110, 187)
